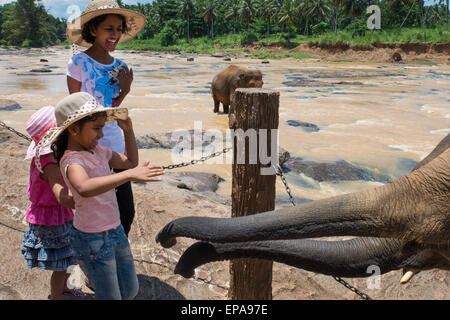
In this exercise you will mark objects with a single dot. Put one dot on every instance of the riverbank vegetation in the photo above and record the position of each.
(205, 26)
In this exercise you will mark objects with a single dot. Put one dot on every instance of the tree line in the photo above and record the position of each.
(26, 22)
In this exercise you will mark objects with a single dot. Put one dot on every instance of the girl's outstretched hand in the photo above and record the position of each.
(146, 173)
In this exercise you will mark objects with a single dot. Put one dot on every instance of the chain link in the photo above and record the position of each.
(279, 172)
(14, 131)
(352, 288)
(202, 159)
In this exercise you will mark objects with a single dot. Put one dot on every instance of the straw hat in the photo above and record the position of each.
(135, 21)
(71, 109)
(37, 126)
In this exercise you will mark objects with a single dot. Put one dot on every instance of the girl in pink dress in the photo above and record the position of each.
(46, 243)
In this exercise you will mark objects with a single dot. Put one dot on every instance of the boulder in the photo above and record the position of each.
(340, 170)
(306, 126)
(9, 105)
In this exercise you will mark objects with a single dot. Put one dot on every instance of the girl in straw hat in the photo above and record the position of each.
(46, 242)
(97, 237)
(100, 28)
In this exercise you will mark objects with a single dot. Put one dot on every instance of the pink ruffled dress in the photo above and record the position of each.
(46, 243)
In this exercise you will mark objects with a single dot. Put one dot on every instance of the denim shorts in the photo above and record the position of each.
(107, 261)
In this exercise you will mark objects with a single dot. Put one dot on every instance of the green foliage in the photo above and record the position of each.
(248, 38)
(168, 36)
(171, 22)
(26, 23)
(320, 28)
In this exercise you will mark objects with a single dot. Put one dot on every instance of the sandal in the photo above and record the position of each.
(76, 292)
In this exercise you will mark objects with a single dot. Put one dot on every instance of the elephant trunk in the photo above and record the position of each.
(359, 257)
(413, 207)
(349, 214)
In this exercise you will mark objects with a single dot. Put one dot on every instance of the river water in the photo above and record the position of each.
(381, 117)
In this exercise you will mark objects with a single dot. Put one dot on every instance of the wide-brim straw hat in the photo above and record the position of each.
(71, 109)
(135, 21)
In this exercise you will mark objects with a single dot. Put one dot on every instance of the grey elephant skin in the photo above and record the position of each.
(402, 224)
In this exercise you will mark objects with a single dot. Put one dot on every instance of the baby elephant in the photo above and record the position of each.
(225, 83)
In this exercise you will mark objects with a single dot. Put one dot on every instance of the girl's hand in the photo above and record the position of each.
(125, 125)
(125, 78)
(146, 173)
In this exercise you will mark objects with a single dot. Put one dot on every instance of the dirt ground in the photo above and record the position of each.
(420, 53)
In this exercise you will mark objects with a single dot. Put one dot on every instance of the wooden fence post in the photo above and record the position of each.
(254, 109)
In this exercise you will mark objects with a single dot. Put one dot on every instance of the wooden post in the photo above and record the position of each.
(252, 108)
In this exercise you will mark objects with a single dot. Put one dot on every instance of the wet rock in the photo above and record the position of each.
(308, 127)
(190, 59)
(9, 105)
(283, 156)
(303, 82)
(340, 170)
(41, 70)
(43, 60)
(193, 181)
(227, 59)
(265, 61)
(173, 139)
(354, 83)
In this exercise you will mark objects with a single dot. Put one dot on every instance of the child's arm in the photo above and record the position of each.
(131, 157)
(73, 85)
(90, 187)
(53, 176)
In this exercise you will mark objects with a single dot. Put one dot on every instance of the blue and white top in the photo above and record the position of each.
(100, 81)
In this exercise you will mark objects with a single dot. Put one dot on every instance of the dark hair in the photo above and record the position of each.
(94, 22)
(60, 145)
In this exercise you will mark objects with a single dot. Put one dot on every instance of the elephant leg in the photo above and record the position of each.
(226, 108)
(216, 104)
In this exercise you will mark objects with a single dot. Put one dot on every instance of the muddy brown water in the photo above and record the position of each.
(381, 117)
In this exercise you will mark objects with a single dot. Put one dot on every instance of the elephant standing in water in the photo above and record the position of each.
(402, 224)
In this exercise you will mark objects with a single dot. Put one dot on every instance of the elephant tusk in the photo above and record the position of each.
(407, 275)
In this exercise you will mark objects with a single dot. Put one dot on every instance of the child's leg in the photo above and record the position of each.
(57, 282)
(126, 272)
(96, 258)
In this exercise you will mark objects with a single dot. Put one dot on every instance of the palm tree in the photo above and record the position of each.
(208, 9)
(318, 10)
(288, 13)
(262, 10)
(232, 11)
(336, 6)
(186, 10)
(247, 11)
(274, 9)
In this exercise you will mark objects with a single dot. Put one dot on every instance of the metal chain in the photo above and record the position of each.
(202, 159)
(14, 131)
(279, 172)
(352, 288)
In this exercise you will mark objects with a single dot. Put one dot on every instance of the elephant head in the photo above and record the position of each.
(402, 224)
